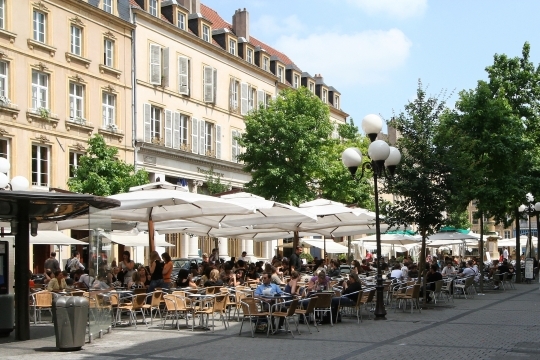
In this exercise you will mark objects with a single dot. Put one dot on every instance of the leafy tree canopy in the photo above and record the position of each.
(284, 144)
(101, 173)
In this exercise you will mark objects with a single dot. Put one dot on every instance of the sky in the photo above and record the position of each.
(374, 52)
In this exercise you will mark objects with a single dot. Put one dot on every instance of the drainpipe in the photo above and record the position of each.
(134, 93)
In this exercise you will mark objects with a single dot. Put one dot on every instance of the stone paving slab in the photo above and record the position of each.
(498, 325)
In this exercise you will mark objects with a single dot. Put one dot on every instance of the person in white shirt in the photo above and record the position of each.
(243, 257)
(505, 253)
(448, 270)
(396, 272)
(405, 271)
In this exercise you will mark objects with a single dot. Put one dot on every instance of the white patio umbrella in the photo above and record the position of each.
(126, 239)
(158, 202)
(394, 239)
(54, 238)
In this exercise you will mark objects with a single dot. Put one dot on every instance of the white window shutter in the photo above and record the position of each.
(165, 67)
(214, 83)
(218, 141)
(244, 98)
(208, 84)
(147, 123)
(194, 136)
(168, 128)
(202, 137)
(176, 131)
(155, 64)
(183, 75)
(234, 146)
(260, 99)
(71, 107)
(231, 95)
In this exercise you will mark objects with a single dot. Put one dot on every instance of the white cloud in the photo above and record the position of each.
(400, 9)
(363, 58)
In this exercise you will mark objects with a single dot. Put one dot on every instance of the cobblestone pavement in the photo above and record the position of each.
(497, 325)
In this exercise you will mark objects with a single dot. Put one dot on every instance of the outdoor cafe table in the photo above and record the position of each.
(273, 303)
(199, 301)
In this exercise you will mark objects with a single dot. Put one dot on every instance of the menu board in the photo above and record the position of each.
(529, 268)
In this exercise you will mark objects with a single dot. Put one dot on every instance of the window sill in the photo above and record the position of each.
(8, 34)
(118, 134)
(72, 57)
(36, 44)
(106, 69)
(52, 119)
(10, 109)
(81, 125)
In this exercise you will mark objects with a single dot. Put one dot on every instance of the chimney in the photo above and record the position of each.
(240, 23)
(195, 6)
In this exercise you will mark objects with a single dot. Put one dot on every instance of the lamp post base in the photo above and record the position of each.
(380, 311)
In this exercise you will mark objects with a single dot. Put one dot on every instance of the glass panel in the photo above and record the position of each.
(99, 255)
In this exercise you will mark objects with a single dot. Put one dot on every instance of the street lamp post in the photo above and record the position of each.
(381, 155)
(531, 209)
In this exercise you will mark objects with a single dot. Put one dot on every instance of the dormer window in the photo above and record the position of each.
(280, 72)
(153, 7)
(232, 46)
(336, 102)
(296, 81)
(108, 6)
(324, 96)
(206, 33)
(181, 23)
(249, 56)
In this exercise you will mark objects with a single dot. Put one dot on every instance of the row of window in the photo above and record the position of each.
(41, 162)
(176, 130)
(41, 90)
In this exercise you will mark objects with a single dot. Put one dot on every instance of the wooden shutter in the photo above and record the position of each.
(155, 64)
(194, 136)
(208, 84)
(244, 98)
(183, 75)
(234, 146)
(218, 141)
(260, 99)
(165, 67)
(202, 137)
(176, 131)
(147, 123)
(71, 107)
(168, 128)
(232, 105)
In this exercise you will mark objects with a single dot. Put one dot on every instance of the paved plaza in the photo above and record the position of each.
(497, 325)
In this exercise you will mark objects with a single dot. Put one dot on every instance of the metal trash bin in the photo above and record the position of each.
(70, 316)
(7, 319)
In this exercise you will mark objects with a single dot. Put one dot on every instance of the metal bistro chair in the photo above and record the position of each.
(42, 301)
(171, 311)
(411, 295)
(356, 306)
(137, 304)
(289, 314)
(324, 305)
(253, 315)
(437, 292)
(307, 311)
(155, 303)
(466, 287)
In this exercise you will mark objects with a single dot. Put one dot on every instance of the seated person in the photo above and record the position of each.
(58, 282)
(503, 268)
(396, 272)
(494, 268)
(292, 287)
(185, 279)
(136, 281)
(213, 279)
(319, 282)
(351, 286)
(413, 271)
(276, 279)
(49, 275)
(334, 269)
(267, 288)
(84, 281)
(432, 276)
(252, 273)
(448, 269)
(468, 271)
(365, 265)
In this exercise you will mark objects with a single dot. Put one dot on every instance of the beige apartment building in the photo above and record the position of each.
(197, 75)
(64, 75)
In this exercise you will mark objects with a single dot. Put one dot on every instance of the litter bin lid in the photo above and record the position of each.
(71, 301)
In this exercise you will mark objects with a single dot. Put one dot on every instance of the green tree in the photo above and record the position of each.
(101, 173)
(421, 183)
(284, 144)
(458, 219)
(214, 184)
(491, 140)
(335, 182)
